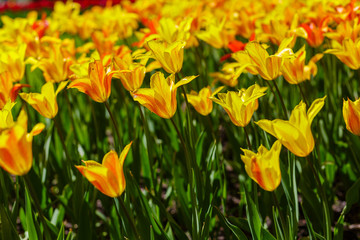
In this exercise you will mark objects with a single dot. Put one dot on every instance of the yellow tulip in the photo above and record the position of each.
(349, 53)
(351, 113)
(240, 106)
(255, 59)
(216, 34)
(13, 62)
(264, 166)
(107, 177)
(16, 145)
(295, 134)
(170, 56)
(160, 98)
(97, 84)
(201, 101)
(56, 67)
(131, 75)
(294, 69)
(45, 102)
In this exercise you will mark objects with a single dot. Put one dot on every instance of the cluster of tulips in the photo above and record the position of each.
(245, 56)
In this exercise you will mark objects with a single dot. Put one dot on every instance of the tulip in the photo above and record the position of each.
(240, 106)
(294, 69)
(201, 101)
(351, 113)
(264, 166)
(131, 75)
(16, 145)
(8, 90)
(13, 62)
(45, 102)
(56, 67)
(107, 177)
(160, 98)
(170, 56)
(295, 134)
(97, 84)
(349, 53)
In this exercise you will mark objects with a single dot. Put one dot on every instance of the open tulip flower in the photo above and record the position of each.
(56, 67)
(258, 59)
(98, 83)
(349, 53)
(8, 90)
(13, 62)
(160, 98)
(107, 177)
(45, 102)
(170, 56)
(15, 142)
(201, 101)
(264, 166)
(294, 69)
(131, 74)
(240, 106)
(351, 113)
(295, 134)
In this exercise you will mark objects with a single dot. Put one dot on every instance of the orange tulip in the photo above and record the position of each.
(160, 98)
(107, 177)
(16, 143)
(351, 113)
(98, 83)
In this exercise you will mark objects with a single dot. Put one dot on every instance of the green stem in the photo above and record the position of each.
(115, 124)
(324, 201)
(303, 95)
(247, 139)
(149, 147)
(281, 99)
(62, 140)
(127, 215)
(282, 219)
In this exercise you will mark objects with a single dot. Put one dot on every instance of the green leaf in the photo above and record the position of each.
(352, 196)
(7, 228)
(253, 217)
(339, 228)
(237, 231)
(30, 225)
(61, 235)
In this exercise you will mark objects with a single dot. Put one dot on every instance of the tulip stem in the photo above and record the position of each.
(62, 140)
(247, 139)
(35, 201)
(282, 219)
(179, 134)
(281, 99)
(149, 148)
(115, 124)
(130, 219)
(303, 95)
(324, 200)
(273, 92)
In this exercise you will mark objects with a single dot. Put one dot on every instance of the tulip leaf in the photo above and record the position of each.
(237, 231)
(30, 225)
(253, 217)
(7, 228)
(61, 235)
(352, 196)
